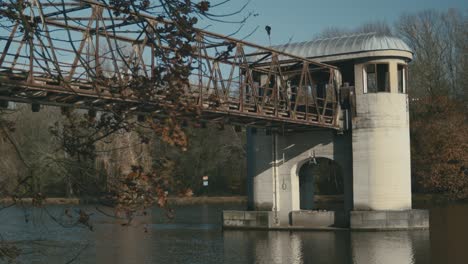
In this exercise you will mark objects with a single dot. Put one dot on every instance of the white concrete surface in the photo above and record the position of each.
(292, 151)
(381, 147)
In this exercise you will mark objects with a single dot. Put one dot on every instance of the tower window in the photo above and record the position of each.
(376, 78)
(402, 79)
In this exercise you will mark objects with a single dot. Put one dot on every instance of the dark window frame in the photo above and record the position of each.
(376, 83)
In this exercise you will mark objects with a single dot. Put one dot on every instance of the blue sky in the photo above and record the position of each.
(302, 19)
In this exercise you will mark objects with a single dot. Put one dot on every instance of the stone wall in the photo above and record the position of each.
(381, 220)
(248, 219)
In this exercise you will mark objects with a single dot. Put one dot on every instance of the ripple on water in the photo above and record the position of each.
(195, 236)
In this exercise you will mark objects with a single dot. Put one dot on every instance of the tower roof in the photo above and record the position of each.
(344, 45)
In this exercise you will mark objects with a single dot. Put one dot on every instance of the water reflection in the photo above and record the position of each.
(286, 247)
(449, 234)
(117, 244)
(382, 248)
(326, 247)
(196, 237)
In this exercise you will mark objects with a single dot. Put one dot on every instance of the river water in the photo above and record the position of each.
(195, 236)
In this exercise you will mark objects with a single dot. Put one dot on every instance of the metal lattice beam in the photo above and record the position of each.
(82, 53)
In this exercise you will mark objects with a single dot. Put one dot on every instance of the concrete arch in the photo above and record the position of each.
(294, 172)
(316, 181)
(296, 167)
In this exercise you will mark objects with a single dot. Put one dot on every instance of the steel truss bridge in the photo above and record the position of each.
(80, 56)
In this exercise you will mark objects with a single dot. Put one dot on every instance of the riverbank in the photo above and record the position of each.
(171, 200)
(419, 200)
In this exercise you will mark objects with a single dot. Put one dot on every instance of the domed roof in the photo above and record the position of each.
(344, 45)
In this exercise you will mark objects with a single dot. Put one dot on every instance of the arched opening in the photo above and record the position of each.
(319, 176)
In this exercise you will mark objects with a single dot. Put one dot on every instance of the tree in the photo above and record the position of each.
(438, 102)
(79, 135)
(378, 27)
(438, 147)
(176, 30)
(438, 40)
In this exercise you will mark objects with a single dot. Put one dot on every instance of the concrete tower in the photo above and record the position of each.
(372, 152)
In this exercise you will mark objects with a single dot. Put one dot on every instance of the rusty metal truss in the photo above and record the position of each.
(80, 57)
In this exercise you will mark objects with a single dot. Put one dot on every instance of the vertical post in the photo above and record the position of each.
(242, 84)
(153, 55)
(88, 40)
(7, 45)
(274, 137)
(200, 71)
(152, 26)
(96, 47)
(31, 59)
(306, 86)
(276, 86)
